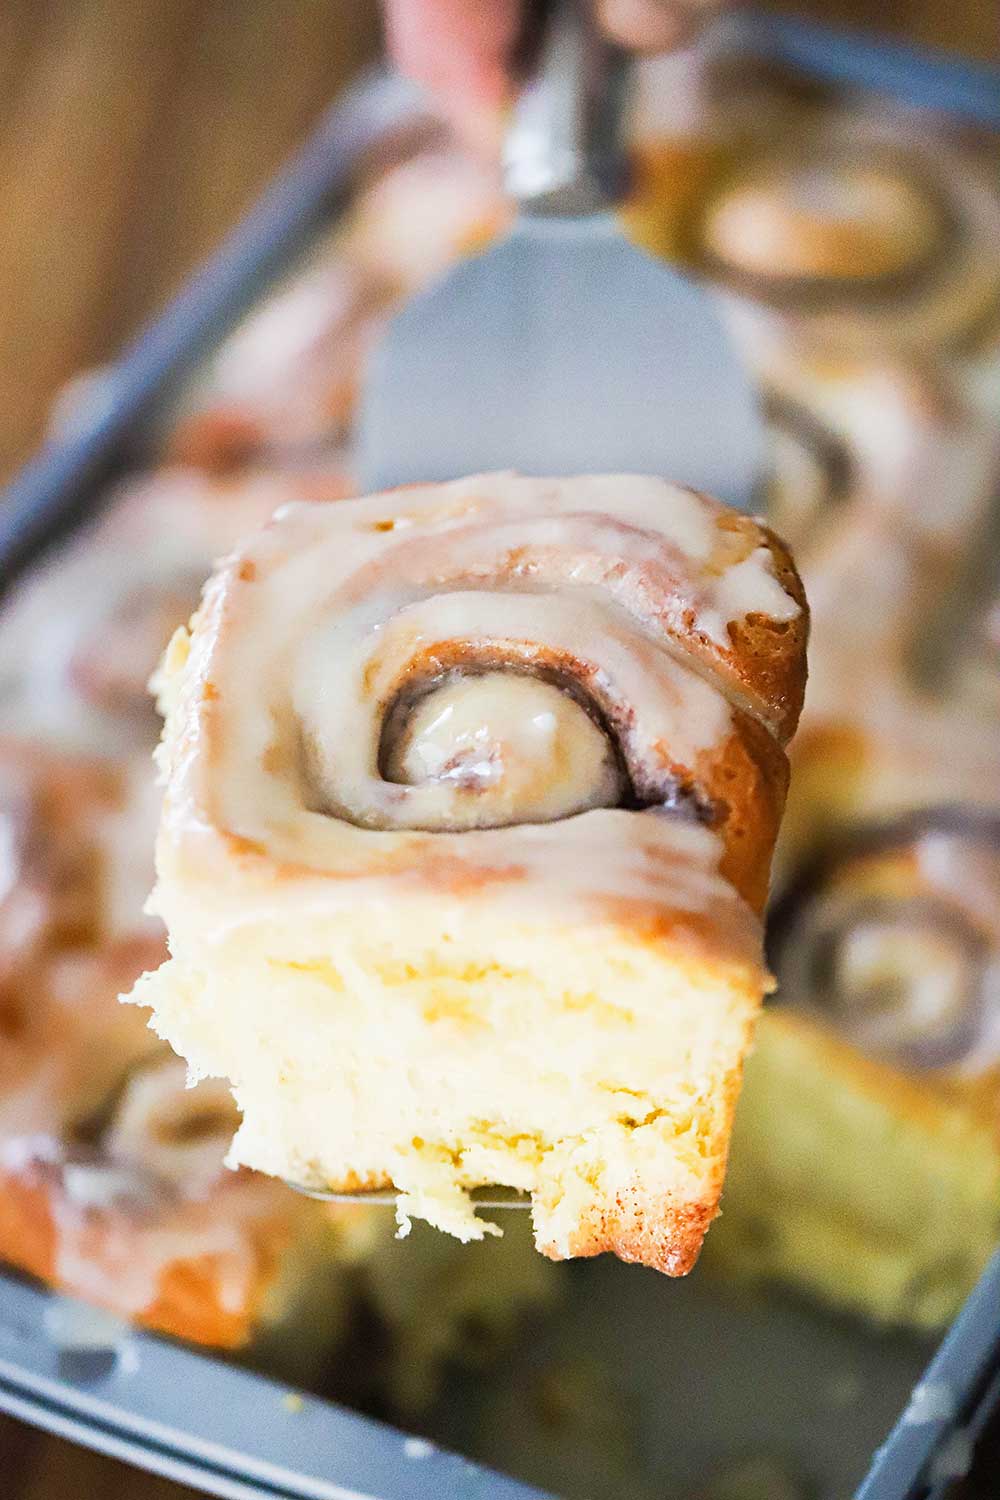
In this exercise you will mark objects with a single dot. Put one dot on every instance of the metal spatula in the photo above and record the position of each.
(563, 349)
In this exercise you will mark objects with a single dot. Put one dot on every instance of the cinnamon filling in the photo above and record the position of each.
(514, 748)
(511, 739)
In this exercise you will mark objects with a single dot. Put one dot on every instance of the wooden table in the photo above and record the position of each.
(133, 133)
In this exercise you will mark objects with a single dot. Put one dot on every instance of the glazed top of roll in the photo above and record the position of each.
(500, 684)
(873, 228)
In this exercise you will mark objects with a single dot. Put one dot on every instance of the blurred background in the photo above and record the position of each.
(133, 133)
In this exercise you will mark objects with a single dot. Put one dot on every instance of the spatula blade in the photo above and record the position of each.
(562, 350)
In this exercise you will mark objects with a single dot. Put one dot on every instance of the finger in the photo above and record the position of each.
(654, 25)
(459, 49)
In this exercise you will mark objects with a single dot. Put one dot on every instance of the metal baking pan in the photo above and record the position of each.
(711, 1379)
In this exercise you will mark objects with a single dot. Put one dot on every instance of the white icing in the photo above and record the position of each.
(292, 328)
(902, 982)
(101, 1186)
(313, 629)
(411, 224)
(147, 558)
(119, 1261)
(748, 587)
(346, 680)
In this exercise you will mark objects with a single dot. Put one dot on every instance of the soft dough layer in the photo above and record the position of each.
(406, 992)
(593, 1066)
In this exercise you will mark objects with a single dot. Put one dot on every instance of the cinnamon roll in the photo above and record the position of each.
(81, 637)
(891, 720)
(881, 751)
(471, 791)
(57, 926)
(883, 1062)
(112, 1183)
(286, 383)
(893, 934)
(852, 231)
(857, 443)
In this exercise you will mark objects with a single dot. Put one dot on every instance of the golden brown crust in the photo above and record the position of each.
(193, 1297)
(661, 1231)
(768, 657)
(664, 1235)
(744, 782)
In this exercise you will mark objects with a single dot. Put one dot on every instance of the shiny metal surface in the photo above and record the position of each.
(388, 1197)
(564, 349)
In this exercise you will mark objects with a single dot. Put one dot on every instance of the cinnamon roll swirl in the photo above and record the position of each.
(893, 718)
(112, 1184)
(471, 792)
(883, 1062)
(893, 934)
(851, 231)
(857, 442)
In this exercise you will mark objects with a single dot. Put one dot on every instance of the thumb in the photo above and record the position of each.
(459, 49)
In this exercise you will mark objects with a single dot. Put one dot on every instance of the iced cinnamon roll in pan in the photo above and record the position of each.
(470, 797)
(892, 933)
(882, 1060)
(112, 1183)
(284, 386)
(851, 231)
(858, 442)
(81, 636)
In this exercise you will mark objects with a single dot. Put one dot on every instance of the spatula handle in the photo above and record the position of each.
(563, 154)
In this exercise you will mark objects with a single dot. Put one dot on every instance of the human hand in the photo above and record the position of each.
(461, 49)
